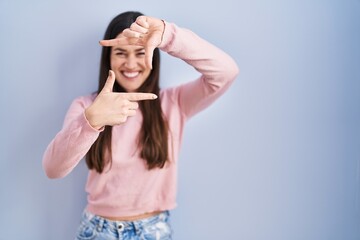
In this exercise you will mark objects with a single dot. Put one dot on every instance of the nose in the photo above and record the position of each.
(131, 62)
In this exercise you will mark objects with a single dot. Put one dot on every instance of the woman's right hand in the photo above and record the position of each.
(110, 108)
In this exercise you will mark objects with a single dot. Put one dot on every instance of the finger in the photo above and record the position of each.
(129, 33)
(114, 42)
(138, 96)
(121, 119)
(127, 104)
(142, 21)
(149, 51)
(133, 105)
(111, 42)
(137, 28)
(131, 113)
(109, 84)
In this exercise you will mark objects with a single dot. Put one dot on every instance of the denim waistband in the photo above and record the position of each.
(101, 222)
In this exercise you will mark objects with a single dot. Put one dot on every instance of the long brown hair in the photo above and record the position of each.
(153, 137)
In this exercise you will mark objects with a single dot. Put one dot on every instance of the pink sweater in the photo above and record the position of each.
(128, 188)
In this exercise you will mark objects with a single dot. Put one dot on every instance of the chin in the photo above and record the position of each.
(131, 89)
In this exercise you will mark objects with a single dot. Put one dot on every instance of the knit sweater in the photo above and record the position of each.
(127, 187)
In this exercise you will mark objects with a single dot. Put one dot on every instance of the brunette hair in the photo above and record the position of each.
(153, 137)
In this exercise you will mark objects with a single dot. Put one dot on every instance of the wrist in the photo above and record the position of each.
(90, 119)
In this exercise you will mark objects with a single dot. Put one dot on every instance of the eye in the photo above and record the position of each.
(120, 54)
(140, 54)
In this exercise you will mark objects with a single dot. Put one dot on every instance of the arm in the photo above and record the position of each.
(218, 70)
(83, 123)
(71, 144)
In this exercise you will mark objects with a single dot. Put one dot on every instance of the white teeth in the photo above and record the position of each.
(130, 74)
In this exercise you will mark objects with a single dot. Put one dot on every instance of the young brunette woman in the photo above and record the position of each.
(130, 131)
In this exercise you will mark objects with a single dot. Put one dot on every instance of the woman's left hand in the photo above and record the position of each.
(145, 31)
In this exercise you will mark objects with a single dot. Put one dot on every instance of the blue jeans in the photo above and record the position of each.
(97, 228)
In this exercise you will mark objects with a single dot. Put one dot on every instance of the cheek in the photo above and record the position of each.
(147, 73)
(116, 62)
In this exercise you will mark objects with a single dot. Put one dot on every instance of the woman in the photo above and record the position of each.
(130, 131)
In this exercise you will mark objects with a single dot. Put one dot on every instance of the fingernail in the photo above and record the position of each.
(109, 72)
(154, 96)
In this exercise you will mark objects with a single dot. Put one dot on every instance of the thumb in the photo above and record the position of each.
(149, 51)
(109, 84)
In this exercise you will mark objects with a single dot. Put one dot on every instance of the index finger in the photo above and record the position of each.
(118, 41)
(139, 96)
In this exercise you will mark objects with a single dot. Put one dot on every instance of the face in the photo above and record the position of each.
(128, 63)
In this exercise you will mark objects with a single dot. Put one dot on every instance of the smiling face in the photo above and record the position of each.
(128, 64)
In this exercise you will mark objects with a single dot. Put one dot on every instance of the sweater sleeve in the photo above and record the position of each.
(218, 70)
(70, 144)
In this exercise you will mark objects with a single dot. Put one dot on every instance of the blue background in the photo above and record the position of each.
(277, 157)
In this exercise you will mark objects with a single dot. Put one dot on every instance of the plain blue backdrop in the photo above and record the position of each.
(277, 157)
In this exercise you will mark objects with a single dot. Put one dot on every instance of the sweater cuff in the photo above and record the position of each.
(88, 126)
(166, 37)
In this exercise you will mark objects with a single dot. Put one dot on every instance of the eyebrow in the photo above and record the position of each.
(123, 50)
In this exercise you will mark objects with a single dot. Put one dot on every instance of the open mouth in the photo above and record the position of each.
(130, 74)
